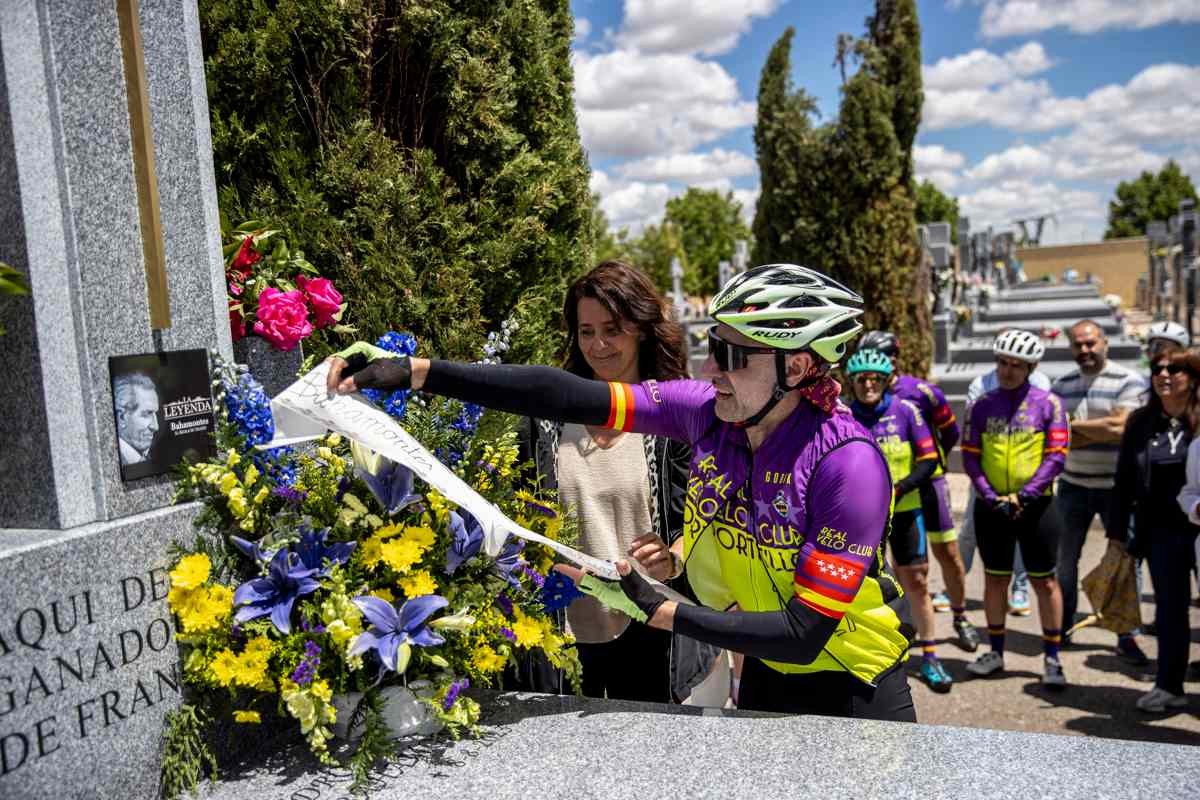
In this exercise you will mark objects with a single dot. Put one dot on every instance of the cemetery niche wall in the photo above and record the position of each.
(109, 210)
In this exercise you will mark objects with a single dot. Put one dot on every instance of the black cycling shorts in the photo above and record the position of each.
(1036, 531)
(908, 540)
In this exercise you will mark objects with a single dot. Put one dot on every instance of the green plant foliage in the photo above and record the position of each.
(425, 157)
(840, 197)
(707, 223)
(1147, 198)
(934, 206)
(11, 282)
(186, 755)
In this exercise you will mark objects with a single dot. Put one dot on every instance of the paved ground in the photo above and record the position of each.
(1100, 699)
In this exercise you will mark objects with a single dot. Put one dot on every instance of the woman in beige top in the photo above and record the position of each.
(627, 489)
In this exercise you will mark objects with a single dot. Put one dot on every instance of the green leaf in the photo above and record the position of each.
(249, 226)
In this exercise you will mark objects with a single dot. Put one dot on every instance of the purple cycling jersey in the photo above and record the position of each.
(934, 408)
(1016, 441)
(803, 515)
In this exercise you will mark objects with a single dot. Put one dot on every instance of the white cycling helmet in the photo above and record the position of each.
(1171, 331)
(790, 307)
(1021, 345)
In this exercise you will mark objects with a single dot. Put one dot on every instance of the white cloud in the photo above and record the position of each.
(749, 200)
(981, 68)
(691, 168)
(998, 204)
(1021, 160)
(636, 105)
(630, 204)
(710, 27)
(1161, 102)
(1023, 17)
(583, 27)
(933, 157)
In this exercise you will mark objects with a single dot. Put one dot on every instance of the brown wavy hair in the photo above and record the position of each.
(630, 297)
(1189, 359)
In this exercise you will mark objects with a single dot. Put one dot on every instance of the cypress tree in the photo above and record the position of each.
(841, 198)
(425, 156)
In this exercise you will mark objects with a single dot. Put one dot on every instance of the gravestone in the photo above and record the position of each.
(109, 209)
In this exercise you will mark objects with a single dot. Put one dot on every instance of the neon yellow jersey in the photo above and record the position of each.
(1016, 441)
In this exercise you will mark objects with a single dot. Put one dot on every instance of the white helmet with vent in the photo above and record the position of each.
(1021, 345)
(790, 307)
(1171, 331)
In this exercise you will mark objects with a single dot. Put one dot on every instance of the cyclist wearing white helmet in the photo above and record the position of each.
(1014, 446)
(1165, 332)
(788, 502)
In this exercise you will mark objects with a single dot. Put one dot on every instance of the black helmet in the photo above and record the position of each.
(883, 341)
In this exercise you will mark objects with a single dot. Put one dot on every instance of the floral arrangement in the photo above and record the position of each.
(328, 570)
(274, 292)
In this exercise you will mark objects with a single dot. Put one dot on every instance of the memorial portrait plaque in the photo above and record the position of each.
(162, 405)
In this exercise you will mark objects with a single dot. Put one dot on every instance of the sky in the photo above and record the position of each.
(1031, 106)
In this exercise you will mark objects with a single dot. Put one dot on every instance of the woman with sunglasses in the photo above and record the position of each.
(788, 496)
(907, 443)
(1152, 471)
(627, 489)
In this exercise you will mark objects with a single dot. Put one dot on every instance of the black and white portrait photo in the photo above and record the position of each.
(162, 409)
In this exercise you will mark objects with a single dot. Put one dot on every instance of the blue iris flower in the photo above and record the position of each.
(276, 593)
(314, 552)
(509, 560)
(393, 633)
(466, 539)
(392, 485)
(252, 550)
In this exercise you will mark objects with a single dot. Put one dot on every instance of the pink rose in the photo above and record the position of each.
(282, 318)
(326, 300)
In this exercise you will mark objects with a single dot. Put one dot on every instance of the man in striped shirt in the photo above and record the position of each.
(1098, 396)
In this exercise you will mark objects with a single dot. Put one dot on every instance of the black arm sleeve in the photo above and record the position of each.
(921, 473)
(795, 635)
(542, 392)
(1121, 502)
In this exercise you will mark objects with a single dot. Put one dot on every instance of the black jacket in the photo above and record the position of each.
(1151, 469)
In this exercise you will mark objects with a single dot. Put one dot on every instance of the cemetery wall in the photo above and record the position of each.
(1117, 262)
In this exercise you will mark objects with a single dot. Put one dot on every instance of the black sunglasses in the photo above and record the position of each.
(1172, 369)
(729, 356)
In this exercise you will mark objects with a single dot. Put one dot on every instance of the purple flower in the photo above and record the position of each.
(541, 509)
(452, 693)
(306, 670)
(533, 575)
(508, 634)
(466, 539)
(508, 561)
(393, 633)
(505, 604)
(253, 550)
(313, 551)
(276, 593)
(558, 592)
(290, 495)
(392, 485)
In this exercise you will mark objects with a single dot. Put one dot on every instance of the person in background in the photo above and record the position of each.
(628, 489)
(1015, 444)
(935, 494)
(1152, 471)
(908, 446)
(1098, 396)
(1018, 596)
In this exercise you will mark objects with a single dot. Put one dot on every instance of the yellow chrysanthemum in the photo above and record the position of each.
(260, 647)
(417, 584)
(486, 659)
(421, 534)
(247, 716)
(383, 594)
(191, 571)
(527, 629)
(370, 552)
(223, 667)
(401, 554)
(206, 609)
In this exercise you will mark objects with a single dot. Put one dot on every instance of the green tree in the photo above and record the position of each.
(425, 156)
(1148, 198)
(840, 197)
(707, 224)
(934, 206)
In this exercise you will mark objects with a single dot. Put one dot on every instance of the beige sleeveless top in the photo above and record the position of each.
(609, 490)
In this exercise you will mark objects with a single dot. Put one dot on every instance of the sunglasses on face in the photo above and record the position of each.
(1170, 369)
(729, 356)
(863, 380)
